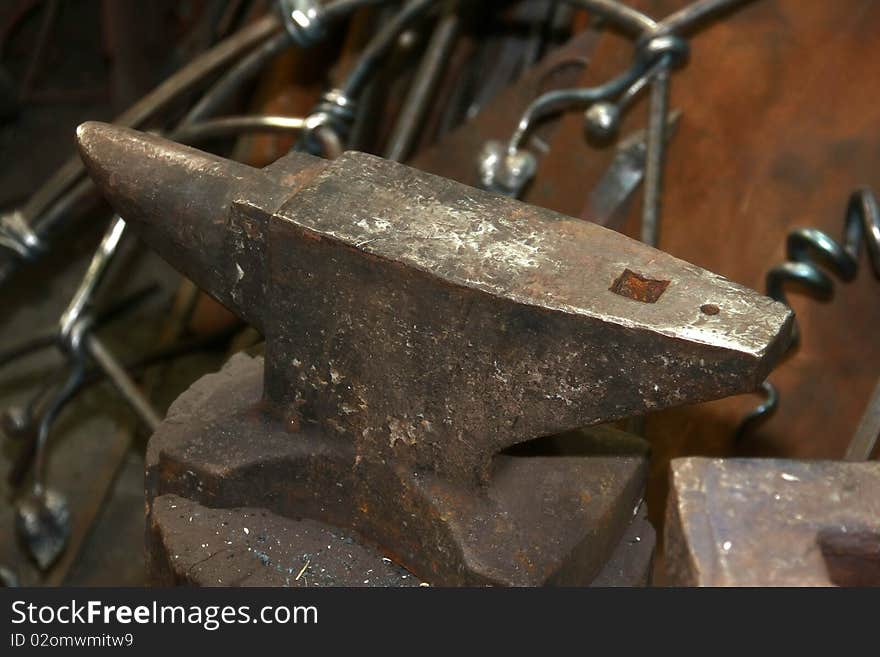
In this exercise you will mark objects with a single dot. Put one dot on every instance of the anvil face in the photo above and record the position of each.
(428, 321)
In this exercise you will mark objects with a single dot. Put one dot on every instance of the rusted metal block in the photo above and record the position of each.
(417, 330)
(740, 522)
(199, 546)
(632, 563)
(434, 291)
(540, 519)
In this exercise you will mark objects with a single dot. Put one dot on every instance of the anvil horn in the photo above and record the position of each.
(178, 199)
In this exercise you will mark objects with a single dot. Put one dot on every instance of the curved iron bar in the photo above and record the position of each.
(262, 39)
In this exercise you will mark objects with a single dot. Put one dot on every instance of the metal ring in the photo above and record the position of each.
(334, 109)
(335, 112)
(652, 48)
(339, 107)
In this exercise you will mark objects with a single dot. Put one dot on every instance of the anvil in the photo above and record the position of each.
(418, 330)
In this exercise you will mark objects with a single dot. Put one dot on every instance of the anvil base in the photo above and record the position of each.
(236, 497)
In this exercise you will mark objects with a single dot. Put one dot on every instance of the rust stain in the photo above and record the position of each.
(639, 288)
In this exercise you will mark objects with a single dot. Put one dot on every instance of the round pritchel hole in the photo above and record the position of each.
(710, 309)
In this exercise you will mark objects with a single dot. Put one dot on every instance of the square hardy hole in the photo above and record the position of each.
(638, 288)
(852, 558)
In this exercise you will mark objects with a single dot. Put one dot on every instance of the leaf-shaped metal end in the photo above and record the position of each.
(43, 525)
(8, 578)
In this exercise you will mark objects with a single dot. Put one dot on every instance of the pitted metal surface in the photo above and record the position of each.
(425, 320)
(554, 516)
(523, 253)
(253, 547)
(416, 330)
(772, 522)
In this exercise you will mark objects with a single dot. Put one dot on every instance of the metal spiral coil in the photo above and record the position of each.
(807, 249)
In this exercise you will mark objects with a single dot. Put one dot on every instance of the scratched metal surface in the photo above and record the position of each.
(424, 349)
(253, 547)
(532, 256)
(772, 522)
(555, 516)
